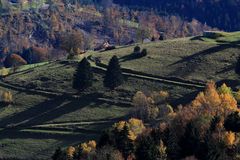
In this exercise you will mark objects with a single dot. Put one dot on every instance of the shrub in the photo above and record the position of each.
(137, 49)
(144, 52)
(7, 97)
(4, 71)
(110, 48)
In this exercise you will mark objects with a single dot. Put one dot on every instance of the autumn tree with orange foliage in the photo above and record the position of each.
(206, 128)
(215, 102)
(14, 60)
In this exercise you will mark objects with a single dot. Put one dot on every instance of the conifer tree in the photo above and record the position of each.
(189, 143)
(113, 77)
(173, 148)
(147, 150)
(83, 76)
(124, 144)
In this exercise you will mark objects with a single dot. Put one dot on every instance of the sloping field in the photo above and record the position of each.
(195, 59)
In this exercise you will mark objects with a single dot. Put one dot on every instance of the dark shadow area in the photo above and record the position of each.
(226, 69)
(130, 57)
(191, 62)
(197, 38)
(3, 104)
(229, 82)
(208, 51)
(48, 110)
(185, 99)
(17, 134)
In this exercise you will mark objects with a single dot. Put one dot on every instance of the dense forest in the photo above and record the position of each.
(223, 14)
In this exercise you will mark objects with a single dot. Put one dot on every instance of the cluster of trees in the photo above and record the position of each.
(61, 22)
(83, 77)
(222, 14)
(206, 128)
(148, 108)
(29, 55)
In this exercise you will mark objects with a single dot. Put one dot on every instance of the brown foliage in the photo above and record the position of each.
(39, 54)
(72, 42)
(14, 60)
(110, 153)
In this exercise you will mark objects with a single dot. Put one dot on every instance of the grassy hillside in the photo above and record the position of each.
(48, 113)
(196, 59)
(42, 120)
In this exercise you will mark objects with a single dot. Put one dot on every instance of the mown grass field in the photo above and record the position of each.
(36, 123)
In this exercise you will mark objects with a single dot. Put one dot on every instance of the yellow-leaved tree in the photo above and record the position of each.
(88, 147)
(229, 138)
(215, 102)
(70, 151)
(136, 127)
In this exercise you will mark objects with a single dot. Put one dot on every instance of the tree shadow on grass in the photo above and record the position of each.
(185, 99)
(208, 51)
(48, 110)
(130, 57)
(191, 62)
(233, 83)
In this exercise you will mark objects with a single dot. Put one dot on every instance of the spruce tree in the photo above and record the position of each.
(113, 77)
(189, 142)
(237, 67)
(123, 143)
(147, 150)
(83, 76)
